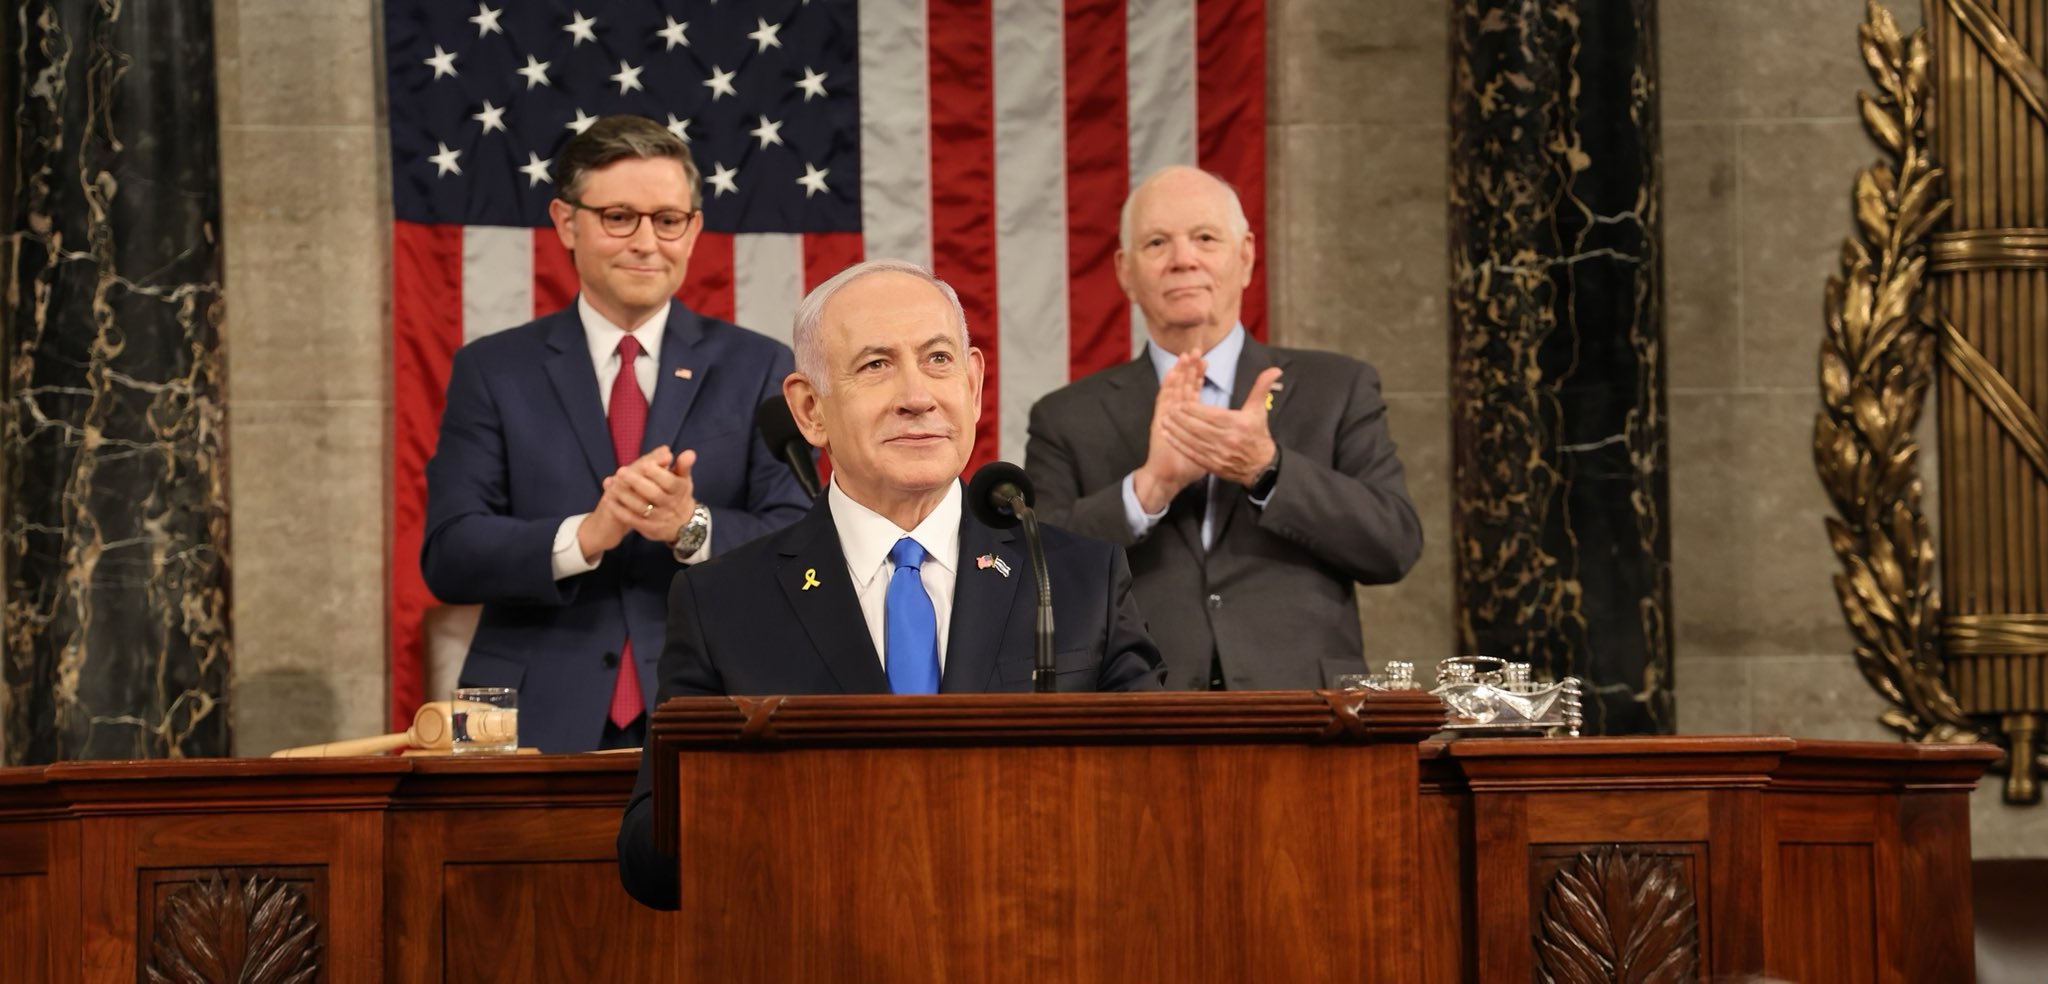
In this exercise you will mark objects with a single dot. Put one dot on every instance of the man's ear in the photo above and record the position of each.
(1123, 278)
(976, 366)
(806, 406)
(1251, 253)
(564, 216)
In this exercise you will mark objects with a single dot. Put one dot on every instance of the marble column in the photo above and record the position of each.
(1560, 518)
(115, 540)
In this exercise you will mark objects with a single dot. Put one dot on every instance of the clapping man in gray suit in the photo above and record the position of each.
(1252, 486)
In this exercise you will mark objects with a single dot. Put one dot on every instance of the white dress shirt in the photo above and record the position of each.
(603, 338)
(866, 537)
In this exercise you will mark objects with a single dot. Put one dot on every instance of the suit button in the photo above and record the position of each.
(1215, 601)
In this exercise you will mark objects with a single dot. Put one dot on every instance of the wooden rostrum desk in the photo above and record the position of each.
(1247, 837)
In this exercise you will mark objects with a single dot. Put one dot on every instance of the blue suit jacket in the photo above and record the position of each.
(745, 625)
(524, 445)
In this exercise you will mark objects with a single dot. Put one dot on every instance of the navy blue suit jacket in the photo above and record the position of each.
(524, 445)
(744, 624)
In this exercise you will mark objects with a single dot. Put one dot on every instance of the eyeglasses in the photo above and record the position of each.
(619, 221)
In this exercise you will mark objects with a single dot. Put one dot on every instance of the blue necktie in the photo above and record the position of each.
(910, 632)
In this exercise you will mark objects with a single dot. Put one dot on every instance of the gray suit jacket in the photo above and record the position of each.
(1273, 597)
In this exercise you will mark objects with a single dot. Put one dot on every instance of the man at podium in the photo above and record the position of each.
(888, 585)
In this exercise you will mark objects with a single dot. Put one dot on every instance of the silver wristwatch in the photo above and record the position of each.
(691, 535)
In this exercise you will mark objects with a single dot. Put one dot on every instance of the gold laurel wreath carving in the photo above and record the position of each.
(254, 932)
(1876, 365)
(1616, 916)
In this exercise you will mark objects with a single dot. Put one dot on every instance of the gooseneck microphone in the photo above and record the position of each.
(1000, 497)
(779, 431)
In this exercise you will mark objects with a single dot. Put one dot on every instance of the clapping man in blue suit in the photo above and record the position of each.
(889, 584)
(587, 456)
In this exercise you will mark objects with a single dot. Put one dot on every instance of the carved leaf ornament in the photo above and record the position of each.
(219, 932)
(1876, 365)
(1615, 916)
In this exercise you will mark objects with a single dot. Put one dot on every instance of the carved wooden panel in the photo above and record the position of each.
(1619, 915)
(248, 925)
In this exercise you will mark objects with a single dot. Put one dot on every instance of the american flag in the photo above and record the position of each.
(992, 140)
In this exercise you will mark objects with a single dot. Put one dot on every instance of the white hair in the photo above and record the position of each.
(807, 334)
(1239, 225)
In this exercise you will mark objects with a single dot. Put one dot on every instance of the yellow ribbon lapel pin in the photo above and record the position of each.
(810, 578)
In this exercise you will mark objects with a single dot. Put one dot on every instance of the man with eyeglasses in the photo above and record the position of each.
(587, 455)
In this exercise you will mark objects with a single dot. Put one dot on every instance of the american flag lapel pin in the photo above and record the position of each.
(683, 372)
(986, 561)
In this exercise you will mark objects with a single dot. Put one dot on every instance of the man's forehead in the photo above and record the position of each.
(911, 337)
(1186, 208)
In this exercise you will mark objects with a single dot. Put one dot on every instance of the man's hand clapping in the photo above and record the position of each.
(1231, 444)
(653, 496)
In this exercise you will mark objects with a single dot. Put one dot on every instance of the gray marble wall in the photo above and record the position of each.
(1760, 142)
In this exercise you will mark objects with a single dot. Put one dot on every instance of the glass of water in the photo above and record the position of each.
(486, 721)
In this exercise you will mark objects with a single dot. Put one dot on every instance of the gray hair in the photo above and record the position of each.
(807, 334)
(615, 138)
(1239, 225)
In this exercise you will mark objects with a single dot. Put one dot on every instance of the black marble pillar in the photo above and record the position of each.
(1561, 539)
(116, 620)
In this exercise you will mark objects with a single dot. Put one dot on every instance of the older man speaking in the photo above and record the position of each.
(888, 585)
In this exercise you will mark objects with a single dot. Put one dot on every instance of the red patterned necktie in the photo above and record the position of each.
(628, 418)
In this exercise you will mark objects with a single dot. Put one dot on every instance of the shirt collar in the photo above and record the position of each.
(1221, 360)
(866, 536)
(604, 336)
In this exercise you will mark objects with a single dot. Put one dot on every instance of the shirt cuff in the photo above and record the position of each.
(1141, 522)
(567, 559)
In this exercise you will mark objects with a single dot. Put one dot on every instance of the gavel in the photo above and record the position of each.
(433, 729)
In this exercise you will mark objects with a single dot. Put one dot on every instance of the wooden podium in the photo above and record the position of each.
(1184, 837)
(1293, 836)
(1023, 837)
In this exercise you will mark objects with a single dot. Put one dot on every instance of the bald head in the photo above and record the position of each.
(1179, 179)
(1186, 258)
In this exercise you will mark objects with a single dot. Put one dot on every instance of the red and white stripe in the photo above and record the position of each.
(998, 141)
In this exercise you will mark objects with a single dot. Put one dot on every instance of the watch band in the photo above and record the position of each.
(690, 536)
(1270, 476)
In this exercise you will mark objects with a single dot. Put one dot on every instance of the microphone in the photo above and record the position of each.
(1000, 497)
(778, 430)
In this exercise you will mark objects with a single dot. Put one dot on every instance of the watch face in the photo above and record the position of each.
(691, 536)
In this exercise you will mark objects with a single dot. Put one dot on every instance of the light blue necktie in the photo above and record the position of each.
(910, 632)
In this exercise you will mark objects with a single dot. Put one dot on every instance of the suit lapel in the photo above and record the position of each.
(815, 582)
(983, 601)
(575, 383)
(1256, 358)
(682, 348)
(1134, 386)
